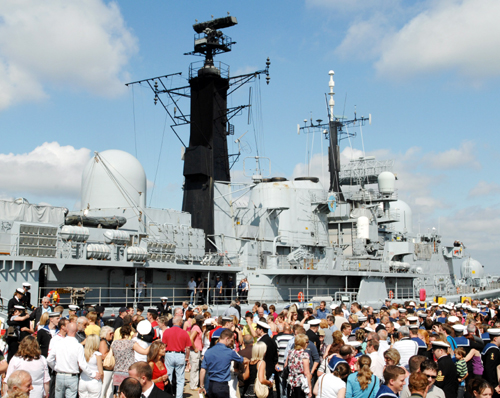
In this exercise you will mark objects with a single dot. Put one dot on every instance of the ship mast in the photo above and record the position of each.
(206, 157)
(334, 132)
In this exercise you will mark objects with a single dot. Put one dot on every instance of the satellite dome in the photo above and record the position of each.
(471, 269)
(386, 182)
(113, 179)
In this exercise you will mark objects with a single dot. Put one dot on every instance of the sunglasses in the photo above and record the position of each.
(432, 377)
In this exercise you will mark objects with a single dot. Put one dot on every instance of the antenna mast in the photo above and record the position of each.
(206, 158)
(333, 131)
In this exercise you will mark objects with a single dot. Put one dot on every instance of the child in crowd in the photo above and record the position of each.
(461, 370)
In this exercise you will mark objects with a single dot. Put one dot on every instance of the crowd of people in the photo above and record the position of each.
(400, 350)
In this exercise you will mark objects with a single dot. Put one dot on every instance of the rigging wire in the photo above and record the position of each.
(159, 158)
(133, 113)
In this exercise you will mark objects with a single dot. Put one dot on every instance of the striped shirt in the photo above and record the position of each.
(461, 368)
(282, 341)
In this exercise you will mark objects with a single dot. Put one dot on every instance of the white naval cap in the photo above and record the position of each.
(412, 318)
(460, 328)
(440, 344)
(402, 310)
(333, 306)
(494, 332)
(19, 307)
(163, 298)
(312, 322)
(20, 290)
(453, 319)
(263, 325)
(73, 307)
(362, 318)
(208, 321)
(354, 343)
(144, 327)
(412, 303)
(26, 284)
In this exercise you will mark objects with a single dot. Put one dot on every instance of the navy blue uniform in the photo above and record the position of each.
(217, 363)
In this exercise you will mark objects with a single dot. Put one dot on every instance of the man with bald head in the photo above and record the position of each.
(66, 360)
(177, 343)
(19, 382)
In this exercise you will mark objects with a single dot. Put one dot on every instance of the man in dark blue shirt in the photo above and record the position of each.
(216, 366)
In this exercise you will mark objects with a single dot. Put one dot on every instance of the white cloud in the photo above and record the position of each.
(50, 170)
(479, 228)
(426, 37)
(454, 158)
(318, 167)
(451, 34)
(484, 188)
(81, 45)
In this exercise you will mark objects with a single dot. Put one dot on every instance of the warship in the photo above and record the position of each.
(292, 240)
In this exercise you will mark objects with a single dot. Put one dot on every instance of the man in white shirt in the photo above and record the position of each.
(346, 330)
(339, 318)
(67, 359)
(192, 290)
(378, 364)
(140, 288)
(383, 344)
(406, 346)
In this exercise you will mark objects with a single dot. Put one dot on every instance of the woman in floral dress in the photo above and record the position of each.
(299, 376)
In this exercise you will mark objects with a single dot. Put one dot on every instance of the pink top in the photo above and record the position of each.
(38, 370)
(197, 340)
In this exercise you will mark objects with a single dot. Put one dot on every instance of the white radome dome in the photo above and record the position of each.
(386, 182)
(100, 190)
(471, 269)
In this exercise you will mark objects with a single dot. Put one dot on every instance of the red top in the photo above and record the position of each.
(176, 339)
(213, 330)
(157, 373)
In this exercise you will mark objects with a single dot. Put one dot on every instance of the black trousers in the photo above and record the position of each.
(297, 392)
(218, 390)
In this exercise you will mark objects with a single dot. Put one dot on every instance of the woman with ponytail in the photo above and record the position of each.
(362, 383)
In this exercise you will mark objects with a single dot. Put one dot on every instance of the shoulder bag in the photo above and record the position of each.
(261, 391)
(109, 361)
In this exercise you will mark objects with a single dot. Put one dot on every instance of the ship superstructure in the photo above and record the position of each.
(291, 239)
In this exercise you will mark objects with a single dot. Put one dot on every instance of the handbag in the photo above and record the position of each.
(261, 391)
(109, 361)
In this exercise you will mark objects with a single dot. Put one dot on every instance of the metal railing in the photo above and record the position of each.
(308, 293)
(150, 296)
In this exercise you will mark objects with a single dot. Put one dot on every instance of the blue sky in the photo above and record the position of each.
(427, 71)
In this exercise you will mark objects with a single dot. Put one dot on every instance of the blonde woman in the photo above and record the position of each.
(104, 348)
(43, 320)
(88, 387)
(392, 357)
(293, 318)
(362, 383)
(256, 368)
